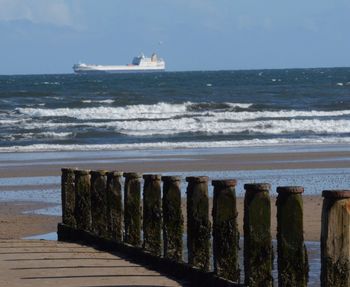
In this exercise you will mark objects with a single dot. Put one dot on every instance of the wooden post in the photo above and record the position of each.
(99, 202)
(114, 206)
(132, 208)
(292, 256)
(172, 218)
(152, 214)
(258, 253)
(68, 197)
(225, 230)
(82, 200)
(198, 225)
(335, 238)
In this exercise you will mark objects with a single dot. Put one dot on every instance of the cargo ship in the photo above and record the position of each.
(140, 64)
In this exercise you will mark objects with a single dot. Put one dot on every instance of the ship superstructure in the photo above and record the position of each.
(138, 64)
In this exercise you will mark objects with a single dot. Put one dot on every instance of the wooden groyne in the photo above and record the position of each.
(150, 228)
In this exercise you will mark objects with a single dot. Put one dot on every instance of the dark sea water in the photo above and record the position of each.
(175, 110)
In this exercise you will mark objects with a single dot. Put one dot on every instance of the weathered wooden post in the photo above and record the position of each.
(258, 253)
(114, 206)
(68, 196)
(225, 230)
(82, 199)
(132, 208)
(335, 238)
(172, 218)
(292, 256)
(152, 214)
(198, 225)
(99, 202)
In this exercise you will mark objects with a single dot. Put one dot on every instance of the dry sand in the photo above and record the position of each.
(33, 263)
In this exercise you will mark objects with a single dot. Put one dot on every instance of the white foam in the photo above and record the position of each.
(204, 124)
(9, 122)
(165, 111)
(178, 145)
(31, 135)
(212, 126)
(51, 83)
(245, 115)
(101, 101)
(159, 110)
(239, 105)
(55, 134)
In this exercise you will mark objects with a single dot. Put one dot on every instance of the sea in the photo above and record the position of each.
(173, 110)
(202, 111)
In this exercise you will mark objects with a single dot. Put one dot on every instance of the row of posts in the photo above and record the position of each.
(92, 201)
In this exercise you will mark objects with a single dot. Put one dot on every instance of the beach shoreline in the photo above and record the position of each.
(267, 158)
(15, 168)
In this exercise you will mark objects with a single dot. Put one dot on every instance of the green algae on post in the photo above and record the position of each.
(68, 196)
(292, 256)
(132, 208)
(258, 253)
(172, 218)
(82, 199)
(335, 238)
(225, 230)
(114, 206)
(99, 202)
(198, 225)
(152, 214)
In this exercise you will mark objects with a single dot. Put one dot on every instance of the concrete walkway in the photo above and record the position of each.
(51, 263)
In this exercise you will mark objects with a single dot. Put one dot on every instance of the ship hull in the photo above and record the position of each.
(139, 64)
(139, 71)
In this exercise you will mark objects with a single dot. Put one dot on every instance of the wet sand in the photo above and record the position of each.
(15, 165)
(15, 224)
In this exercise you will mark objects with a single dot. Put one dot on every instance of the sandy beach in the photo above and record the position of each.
(19, 224)
(30, 182)
(15, 224)
(41, 164)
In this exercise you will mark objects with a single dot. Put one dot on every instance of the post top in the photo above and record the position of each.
(197, 179)
(169, 178)
(152, 176)
(132, 174)
(115, 173)
(257, 186)
(336, 193)
(290, 189)
(82, 172)
(68, 169)
(224, 182)
(100, 172)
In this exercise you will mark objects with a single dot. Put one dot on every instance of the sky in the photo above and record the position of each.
(49, 36)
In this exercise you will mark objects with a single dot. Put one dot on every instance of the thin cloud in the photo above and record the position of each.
(54, 12)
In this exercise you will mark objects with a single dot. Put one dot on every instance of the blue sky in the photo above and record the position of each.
(49, 36)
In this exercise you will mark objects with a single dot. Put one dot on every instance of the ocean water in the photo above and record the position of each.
(174, 110)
